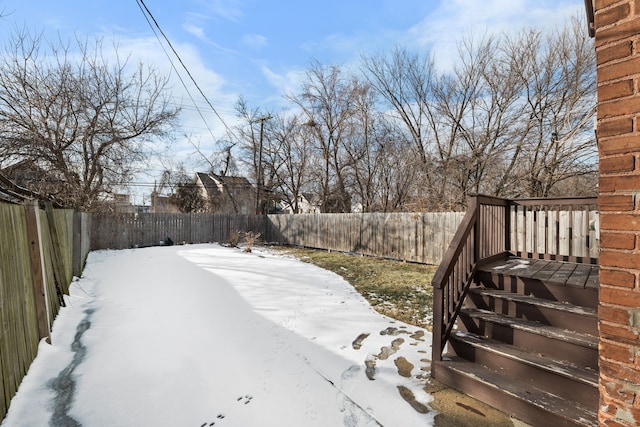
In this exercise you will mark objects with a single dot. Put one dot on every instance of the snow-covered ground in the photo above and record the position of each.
(206, 335)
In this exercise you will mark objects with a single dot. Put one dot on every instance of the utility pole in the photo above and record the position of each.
(259, 177)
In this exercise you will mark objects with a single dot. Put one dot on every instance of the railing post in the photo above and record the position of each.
(438, 325)
(474, 205)
(507, 226)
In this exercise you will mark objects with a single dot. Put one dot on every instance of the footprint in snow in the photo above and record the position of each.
(212, 423)
(245, 399)
(357, 343)
(385, 352)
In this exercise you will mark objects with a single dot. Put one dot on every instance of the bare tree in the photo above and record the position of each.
(558, 76)
(326, 99)
(85, 117)
(511, 119)
(288, 156)
(407, 82)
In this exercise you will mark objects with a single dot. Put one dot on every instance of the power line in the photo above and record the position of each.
(183, 84)
(148, 15)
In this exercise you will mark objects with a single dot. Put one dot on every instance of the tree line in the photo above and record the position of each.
(513, 118)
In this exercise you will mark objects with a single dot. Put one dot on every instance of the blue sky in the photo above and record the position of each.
(260, 49)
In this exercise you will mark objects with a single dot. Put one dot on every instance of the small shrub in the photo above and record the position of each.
(234, 239)
(250, 240)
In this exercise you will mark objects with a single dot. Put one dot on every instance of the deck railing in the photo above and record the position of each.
(558, 229)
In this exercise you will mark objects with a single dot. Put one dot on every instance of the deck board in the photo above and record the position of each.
(563, 274)
(580, 275)
(593, 281)
(559, 272)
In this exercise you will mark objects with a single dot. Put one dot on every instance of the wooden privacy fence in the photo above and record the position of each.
(40, 252)
(121, 231)
(414, 237)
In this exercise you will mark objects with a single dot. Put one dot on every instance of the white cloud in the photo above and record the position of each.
(455, 19)
(230, 10)
(287, 83)
(195, 30)
(213, 85)
(255, 41)
(199, 32)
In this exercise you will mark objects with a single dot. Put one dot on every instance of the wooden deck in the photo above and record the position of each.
(516, 318)
(555, 272)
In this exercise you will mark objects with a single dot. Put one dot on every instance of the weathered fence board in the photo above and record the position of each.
(414, 237)
(19, 334)
(36, 253)
(139, 230)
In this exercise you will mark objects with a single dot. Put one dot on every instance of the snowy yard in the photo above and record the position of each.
(206, 335)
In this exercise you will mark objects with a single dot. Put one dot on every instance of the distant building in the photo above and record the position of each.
(226, 194)
(162, 204)
(121, 203)
(28, 175)
(307, 204)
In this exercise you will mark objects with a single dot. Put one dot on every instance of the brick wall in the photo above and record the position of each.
(617, 38)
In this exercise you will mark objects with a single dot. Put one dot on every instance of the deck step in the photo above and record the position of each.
(555, 281)
(553, 313)
(524, 402)
(562, 344)
(557, 377)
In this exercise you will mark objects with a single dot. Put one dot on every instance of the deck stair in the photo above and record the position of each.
(524, 338)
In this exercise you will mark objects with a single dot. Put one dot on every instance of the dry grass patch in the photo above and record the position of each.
(396, 289)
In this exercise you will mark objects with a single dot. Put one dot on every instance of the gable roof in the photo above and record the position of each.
(13, 193)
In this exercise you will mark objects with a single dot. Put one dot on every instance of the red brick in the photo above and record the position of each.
(612, 183)
(617, 278)
(623, 222)
(623, 30)
(614, 90)
(612, 15)
(611, 53)
(615, 202)
(619, 70)
(618, 333)
(619, 107)
(619, 371)
(601, 4)
(617, 352)
(613, 314)
(610, 411)
(611, 423)
(614, 413)
(617, 241)
(620, 259)
(618, 390)
(626, 163)
(619, 145)
(615, 127)
(619, 296)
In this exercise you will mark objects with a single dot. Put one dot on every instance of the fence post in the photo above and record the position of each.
(76, 266)
(34, 233)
